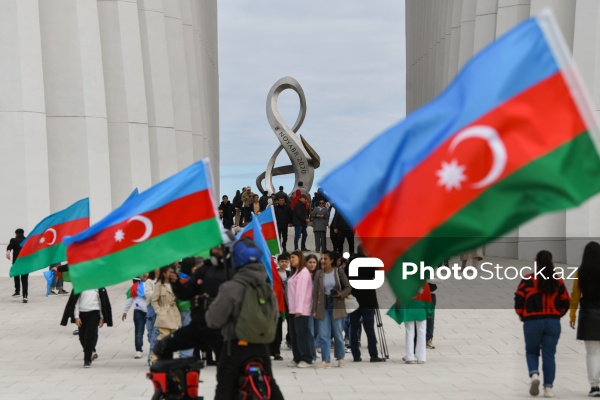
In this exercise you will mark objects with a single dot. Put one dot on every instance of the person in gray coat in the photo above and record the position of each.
(320, 217)
(223, 314)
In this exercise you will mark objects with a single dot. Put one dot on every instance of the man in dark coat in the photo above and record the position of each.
(343, 230)
(282, 195)
(15, 246)
(283, 215)
(300, 221)
(228, 212)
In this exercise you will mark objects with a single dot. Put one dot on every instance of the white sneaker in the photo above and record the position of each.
(138, 354)
(304, 364)
(534, 388)
(548, 392)
(420, 362)
(324, 364)
(292, 364)
(341, 363)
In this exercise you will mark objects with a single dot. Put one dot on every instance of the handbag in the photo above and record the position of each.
(350, 302)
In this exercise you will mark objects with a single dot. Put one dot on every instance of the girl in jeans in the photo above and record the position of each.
(331, 287)
(299, 296)
(136, 297)
(151, 330)
(586, 293)
(312, 264)
(540, 301)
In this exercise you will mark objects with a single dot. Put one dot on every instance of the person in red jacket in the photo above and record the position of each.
(540, 301)
(280, 296)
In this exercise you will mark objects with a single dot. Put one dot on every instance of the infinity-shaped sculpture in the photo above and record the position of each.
(304, 159)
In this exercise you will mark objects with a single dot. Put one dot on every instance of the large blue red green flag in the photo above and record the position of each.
(268, 226)
(175, 218)
(512, 137)
(43, 247)
(257, 235)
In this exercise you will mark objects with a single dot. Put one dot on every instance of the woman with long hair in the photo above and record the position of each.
(312, 263)
(168, 318)
(331, 286)
(586, 295)
(540, 301)
(299, 296)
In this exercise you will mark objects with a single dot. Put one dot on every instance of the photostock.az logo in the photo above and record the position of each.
(366, 262)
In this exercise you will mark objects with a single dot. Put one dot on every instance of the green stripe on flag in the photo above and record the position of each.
(145, 256)
(39, 260)
(274, 246)
(561, 179)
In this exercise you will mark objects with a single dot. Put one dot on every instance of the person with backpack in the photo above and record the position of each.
(245, 310)
(540, 302)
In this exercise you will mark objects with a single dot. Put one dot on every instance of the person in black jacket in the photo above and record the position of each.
(300, 221)
(15, 246)
(228, 212)
(282, 195)
(343, 230)
(200, 289)
(89, 310)
(283, 215)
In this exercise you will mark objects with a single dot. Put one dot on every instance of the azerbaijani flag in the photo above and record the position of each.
(512, 137)
(258, 238)
(136, 290)
(43, 247)
(269, 229)
(176, 218)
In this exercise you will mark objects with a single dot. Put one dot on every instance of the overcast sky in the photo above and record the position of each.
(348, 55)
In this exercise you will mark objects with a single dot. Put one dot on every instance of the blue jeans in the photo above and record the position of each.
(186, 318)
(368, 322)
(152, 331)
(326, 326)
(139, 322)
(542, 334)
(299, 230)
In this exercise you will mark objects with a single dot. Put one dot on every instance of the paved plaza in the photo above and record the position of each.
(479, 355)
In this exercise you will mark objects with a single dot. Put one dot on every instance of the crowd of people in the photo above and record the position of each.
(173, 304)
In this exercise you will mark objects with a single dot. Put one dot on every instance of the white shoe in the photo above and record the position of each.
(324, 365)
(341, 363)
(410, 361)
(548, 392)
(138, 354)
(534, 388)
(420, 362)
(292, 364)
(304, 364)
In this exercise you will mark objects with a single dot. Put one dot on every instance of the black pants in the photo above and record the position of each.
(283, 235)
(246, 214)
(196, 334)
(22, 280)
(88, 332)
(335, 243)
(349, 236)
(231, 364)
(300, 335)
(431, 320)
(276, 345)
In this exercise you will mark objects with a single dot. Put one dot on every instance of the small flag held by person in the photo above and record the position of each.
(136, 290)
(44, 247)
(175, 218)
(269, 230)
(512, 137)
(257, 235)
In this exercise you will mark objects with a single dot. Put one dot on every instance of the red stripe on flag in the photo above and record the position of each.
(530, 125)
(268, 231)
(172, 216)
(41, 241)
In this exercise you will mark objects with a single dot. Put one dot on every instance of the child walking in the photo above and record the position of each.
(136, 296)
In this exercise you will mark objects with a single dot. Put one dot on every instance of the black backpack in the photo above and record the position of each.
(254, 383)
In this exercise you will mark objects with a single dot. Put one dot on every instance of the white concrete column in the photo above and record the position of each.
(447, 39)
(467, 32)
(23, 142)
(75, 105)
(455, 33)
(159, 98)
(485, 24)
(510, 13)
(125, 98)
(564, 11)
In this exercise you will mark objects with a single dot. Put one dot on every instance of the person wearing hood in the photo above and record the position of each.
(224, 312)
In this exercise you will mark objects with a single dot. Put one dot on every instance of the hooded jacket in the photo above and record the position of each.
(224, 311)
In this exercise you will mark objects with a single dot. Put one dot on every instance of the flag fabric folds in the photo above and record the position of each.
(512, 137)
(176, 218)
(44, 247)
(49, 276)
(269, 230)
(136, 290)
(259, 239)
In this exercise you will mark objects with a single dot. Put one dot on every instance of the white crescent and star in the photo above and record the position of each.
(148, 227)
(54, 235)
(451, 175)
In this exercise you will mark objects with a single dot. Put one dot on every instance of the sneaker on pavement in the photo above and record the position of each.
(138, 355)
(292, 364)
(594, 391)
(341, 363)
(420, 362)
(376, 359)
(277, 357)
(76, 332)
(87, 364)
(52, 293)
(429, 344)
(358, 359)
(94, 356)
(410, 361)
(62, 291)
(324, 364)
(304, 364)
(548, 392)
(24, 299)
(534, 388)
(16, 294)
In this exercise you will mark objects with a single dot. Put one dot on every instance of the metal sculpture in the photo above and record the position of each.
(304, 159)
